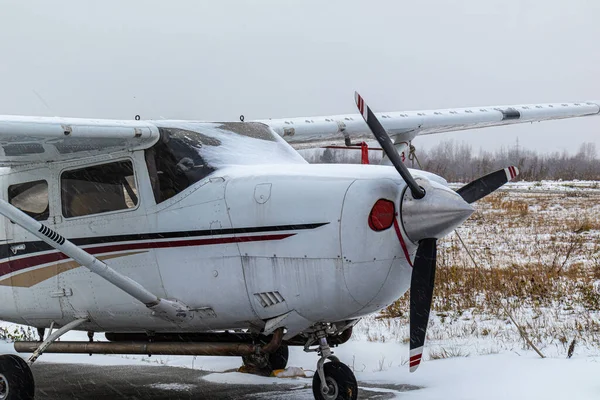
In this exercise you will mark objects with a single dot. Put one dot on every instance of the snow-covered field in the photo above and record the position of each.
(515, 374)
(537, 249)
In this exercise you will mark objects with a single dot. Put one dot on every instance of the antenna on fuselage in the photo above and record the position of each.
(242, 118)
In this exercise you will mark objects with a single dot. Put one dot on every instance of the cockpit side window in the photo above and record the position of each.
(98, 189)
(31, 198)
(175, 164)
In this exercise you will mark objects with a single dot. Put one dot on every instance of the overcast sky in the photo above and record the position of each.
(268, 59)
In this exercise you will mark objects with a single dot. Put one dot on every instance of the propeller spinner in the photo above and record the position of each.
(429, 214)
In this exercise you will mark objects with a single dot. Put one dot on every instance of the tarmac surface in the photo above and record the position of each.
(97, 382)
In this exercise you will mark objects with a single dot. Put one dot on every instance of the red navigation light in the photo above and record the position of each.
(382, 215)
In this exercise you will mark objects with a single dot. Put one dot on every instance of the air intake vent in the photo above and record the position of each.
(268, 299)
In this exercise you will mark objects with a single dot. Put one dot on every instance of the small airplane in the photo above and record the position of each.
(217, 238)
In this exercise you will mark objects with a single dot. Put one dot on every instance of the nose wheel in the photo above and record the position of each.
(333, 380)
(340, 383)
(16, 379)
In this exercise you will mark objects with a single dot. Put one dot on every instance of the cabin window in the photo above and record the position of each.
(98, 189)
(31, 198)
(175, 164)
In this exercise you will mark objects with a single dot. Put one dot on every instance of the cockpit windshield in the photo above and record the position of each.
(190, 151)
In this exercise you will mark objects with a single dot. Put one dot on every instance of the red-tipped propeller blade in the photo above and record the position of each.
(485, 185)
(387, 146)
(421, 295)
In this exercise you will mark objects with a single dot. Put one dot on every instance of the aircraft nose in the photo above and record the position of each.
(434, 216)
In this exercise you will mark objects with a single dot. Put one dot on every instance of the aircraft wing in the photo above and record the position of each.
(39, 139)
(26, 140)
(405, 126)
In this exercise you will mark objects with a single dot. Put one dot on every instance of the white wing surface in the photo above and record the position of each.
(405, 126)
(39, 139)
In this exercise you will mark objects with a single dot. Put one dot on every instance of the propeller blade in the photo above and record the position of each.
(421, 295)
(387, 146)
(485, 185)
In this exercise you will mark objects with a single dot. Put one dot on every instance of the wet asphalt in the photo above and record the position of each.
(92, 382)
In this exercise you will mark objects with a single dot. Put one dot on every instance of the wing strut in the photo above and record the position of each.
(171, 310)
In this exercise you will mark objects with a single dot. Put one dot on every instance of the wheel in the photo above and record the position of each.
(16, 379)
(266, 363)
(279, 358)
(341, 381)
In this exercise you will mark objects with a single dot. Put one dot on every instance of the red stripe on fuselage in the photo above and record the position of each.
(27, 262)
(402, 242)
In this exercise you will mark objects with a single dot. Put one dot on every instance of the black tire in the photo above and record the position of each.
(16, 379)
(340, 379)
(279, 358)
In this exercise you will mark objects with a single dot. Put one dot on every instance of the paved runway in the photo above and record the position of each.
(91, 382)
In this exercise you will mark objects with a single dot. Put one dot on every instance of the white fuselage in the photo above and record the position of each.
(246, 244)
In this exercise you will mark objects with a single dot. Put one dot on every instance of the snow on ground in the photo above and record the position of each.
(475, 352)
(178, 387)
(516, 374)
(502, 376)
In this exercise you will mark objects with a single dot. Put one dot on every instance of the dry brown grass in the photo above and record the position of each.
(458, 289)
(447, 352)
(550, 254)
(584, 224)
(513, 207)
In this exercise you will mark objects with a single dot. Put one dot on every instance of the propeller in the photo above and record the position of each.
(485, 185)
(423, 273)
(387, 146)
(421, 295)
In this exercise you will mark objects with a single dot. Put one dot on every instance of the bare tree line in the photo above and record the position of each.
(458, 162)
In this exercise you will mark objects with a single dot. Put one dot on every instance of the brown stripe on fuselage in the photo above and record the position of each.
(29, 278)
(18, 264)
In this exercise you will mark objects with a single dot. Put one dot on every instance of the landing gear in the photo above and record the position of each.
(332, 380)
(340, 381)
(266, 363)
(16, 379)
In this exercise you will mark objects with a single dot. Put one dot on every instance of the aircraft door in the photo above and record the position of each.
(31, 267)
